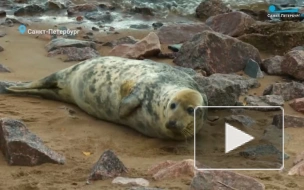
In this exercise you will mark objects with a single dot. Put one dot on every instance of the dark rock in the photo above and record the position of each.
(232, 23)
(293, 64)
(8, 23)
(267, 100)
(23, 148)
(61, 42)
(21, 1)
(253, 70)
(111, 28)
(106, 6)
(272, 65)
(224, 89)
(273, 135)
(175, 47)
(123, 40)
(139, 26)
(289, 91)
(1, 49)
(108, 166)
(166, 55)
(246, 121)
(2, 14)
(95, 28)
(261, 15)
(74, 9)
(3, 68)
(298, 104)
(209, 8)
(216, 53)
(262, 150)
(274, 38)
(157, 25)
(179, 33)
(221, 180)
(75, 53)
(104, 17)
(29, 10)
(56, 5)
(289, 121)
(2, 33)
(143, 10)
(11, 21)
(244, 82)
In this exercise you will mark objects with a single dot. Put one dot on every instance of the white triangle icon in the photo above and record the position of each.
(235, 138)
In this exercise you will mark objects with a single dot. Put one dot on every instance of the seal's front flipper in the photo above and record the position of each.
(129, 105)
(130, 100)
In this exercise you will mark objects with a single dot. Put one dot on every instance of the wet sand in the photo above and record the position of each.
(26, 57)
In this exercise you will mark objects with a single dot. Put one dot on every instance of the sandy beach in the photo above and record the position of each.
(25, 56)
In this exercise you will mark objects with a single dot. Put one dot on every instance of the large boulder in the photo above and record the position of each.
(209, 8)
(293, 64)
(179, 33)
(146, 47)
(222, 180)
(272, 65)
(216, 53)
(21, 147)
(62, 43)
(224, 89)
(232, 24)
(275, 38)
(288, 90)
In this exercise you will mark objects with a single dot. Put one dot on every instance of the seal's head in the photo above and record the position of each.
(180, 114)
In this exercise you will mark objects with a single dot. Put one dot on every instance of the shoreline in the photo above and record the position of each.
(25, 55)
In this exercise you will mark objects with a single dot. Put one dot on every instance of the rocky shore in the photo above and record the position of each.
(238, 57)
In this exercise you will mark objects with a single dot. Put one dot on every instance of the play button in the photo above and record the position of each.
(239, 137)
(235, 138)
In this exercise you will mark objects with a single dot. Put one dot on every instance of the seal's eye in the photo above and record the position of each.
(190, 110)
(173, 106)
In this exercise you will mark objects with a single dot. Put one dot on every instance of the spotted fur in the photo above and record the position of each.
(135, 93)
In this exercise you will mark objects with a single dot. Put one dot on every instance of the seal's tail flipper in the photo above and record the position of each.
(4, 85)
(46, 87)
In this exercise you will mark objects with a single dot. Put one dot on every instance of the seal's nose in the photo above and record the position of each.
(171, 125)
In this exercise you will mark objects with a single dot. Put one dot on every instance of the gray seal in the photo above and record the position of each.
(153, 98)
